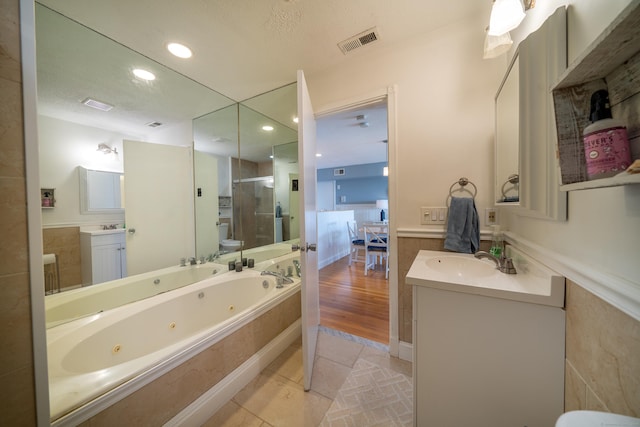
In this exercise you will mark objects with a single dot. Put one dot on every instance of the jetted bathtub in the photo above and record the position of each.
(89, 356)
(88, 300)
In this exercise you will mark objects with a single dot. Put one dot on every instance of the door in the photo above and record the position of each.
(308, 229)
(159, 211)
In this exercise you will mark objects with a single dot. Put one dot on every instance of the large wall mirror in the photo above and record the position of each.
(507, 142)
(227, 145)
(525, 127)
(246, 158)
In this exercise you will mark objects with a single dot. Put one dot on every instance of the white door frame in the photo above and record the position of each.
(388, 93)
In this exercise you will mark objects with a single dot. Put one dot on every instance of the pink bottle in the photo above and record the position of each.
(606, 146)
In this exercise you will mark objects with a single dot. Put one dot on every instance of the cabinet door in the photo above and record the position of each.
(107, 262)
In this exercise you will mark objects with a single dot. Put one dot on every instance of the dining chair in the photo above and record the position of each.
(357, 249)
(376, 246)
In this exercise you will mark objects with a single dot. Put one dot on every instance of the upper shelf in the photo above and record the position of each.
(617, 43)
(611, 62)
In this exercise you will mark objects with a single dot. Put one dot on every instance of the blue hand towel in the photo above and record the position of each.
(463, 228)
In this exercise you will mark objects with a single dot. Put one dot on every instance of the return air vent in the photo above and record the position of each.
(338, 172)
(359, 40)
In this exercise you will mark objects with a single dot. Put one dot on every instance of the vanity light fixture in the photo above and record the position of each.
(179, 50)
(267, 128)
(98, 105)
(105, 149)
(506, 15)
(144, 74)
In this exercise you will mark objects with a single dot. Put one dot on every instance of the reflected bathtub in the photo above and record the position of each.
(94, 355)
(88, 300)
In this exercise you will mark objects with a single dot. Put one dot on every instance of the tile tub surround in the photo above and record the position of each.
(276, 397)
(602, 370)
(160, 400)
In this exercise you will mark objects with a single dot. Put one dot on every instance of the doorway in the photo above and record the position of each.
(352, 138)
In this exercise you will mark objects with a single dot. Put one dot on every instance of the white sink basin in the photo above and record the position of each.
(595, 419)
(462, 267)
(451, 271)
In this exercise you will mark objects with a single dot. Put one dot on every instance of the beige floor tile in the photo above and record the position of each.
(328, 376)
(289, 364)
(233, 415)
(282, 403)
(338, 349)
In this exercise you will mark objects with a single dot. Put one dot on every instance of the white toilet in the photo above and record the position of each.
(227, 245)
(595, 419)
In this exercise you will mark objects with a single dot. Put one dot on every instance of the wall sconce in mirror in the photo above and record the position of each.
(105, 149)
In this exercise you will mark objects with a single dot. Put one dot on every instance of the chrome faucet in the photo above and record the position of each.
(504, 264)
(192, 261)
(278, 276)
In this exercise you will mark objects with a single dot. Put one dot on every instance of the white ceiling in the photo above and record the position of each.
(243, 48)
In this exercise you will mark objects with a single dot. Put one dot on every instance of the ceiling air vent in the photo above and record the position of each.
(154, 124)
(359, 40)
(338, 172)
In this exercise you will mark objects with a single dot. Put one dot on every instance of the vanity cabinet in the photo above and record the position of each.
(103, 256)
(486, 362)
(488, 347)
(611, 62)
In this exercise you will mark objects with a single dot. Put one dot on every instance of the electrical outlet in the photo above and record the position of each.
(490, 216)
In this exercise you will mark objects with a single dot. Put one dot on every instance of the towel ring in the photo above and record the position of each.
(462, 182)
(514, 180)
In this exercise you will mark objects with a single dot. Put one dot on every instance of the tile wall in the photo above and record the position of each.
(602, 371)
(17, 395)
(65, 244)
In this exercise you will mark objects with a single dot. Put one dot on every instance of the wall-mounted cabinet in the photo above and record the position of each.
(611, 62)
(47, 198)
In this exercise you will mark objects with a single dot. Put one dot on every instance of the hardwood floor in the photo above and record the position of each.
(354, 303)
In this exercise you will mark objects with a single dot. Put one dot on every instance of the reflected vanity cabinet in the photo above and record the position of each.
(611, 62)
(103, 256)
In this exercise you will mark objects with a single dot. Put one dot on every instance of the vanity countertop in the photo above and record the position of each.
(534, 282)
(98, 232)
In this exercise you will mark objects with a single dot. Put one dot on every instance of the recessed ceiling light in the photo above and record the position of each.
(295, 120)
(268, 128)
(179, 50)
(98, 105)
(144, 74)
(318, 155)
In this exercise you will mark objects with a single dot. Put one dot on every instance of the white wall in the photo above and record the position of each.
(63, 147)
(333, 237)
(445, 97)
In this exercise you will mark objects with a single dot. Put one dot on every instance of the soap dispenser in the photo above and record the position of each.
(497, 242)
(606, 145)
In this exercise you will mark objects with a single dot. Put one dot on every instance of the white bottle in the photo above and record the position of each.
(497, 242)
